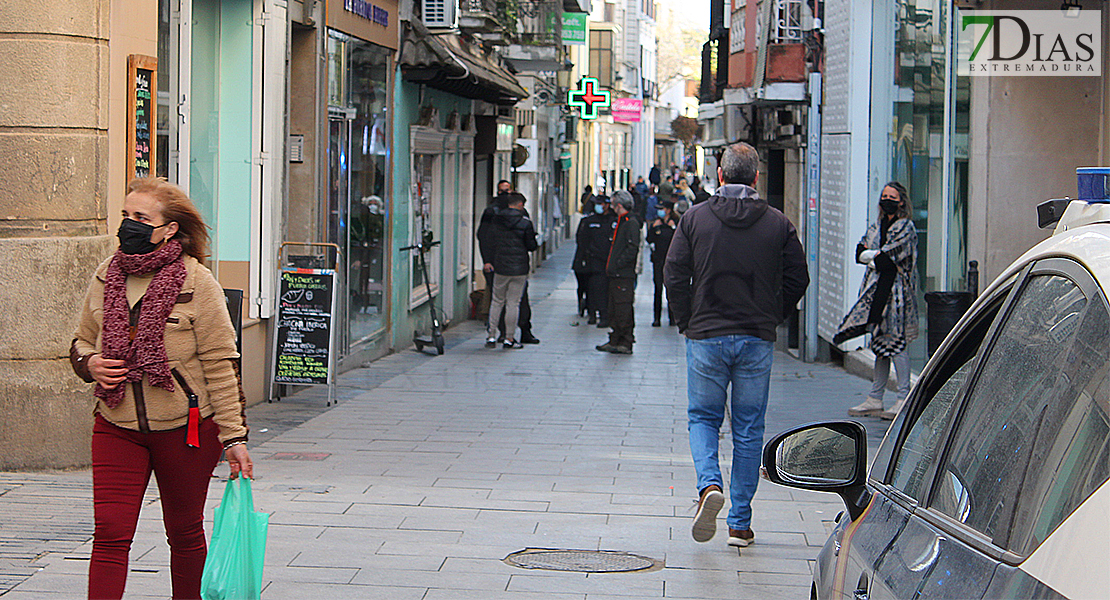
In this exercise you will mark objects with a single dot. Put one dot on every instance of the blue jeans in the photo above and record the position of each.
(711, 365)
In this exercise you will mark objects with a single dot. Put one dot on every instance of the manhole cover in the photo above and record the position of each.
(585, 561)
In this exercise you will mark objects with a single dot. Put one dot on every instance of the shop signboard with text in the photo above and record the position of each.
(627, 110)
(374, 21)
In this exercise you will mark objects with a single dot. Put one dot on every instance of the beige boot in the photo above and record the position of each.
(894, 410)
(872, 407)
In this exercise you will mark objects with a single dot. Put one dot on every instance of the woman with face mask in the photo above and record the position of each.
(155, 336)
(887, 305)
(659, 236)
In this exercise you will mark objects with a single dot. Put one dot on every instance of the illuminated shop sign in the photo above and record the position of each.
(588, 98)
(368, 11)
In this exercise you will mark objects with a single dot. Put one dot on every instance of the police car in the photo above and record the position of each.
(992, 481)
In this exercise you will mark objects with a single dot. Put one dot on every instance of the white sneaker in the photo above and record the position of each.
(491, 342)
(894, 410)
(872, 407)
(705, 521)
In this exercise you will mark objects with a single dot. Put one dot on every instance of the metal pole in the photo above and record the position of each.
(813, 188)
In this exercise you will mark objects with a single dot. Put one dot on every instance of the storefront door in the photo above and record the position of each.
(356, 223)
(339, 210)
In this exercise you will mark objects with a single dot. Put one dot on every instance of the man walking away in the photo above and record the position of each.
(514, 237)
(734, 270)
(621, 269)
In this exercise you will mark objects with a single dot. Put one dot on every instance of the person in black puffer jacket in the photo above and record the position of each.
(514, 237)
(594, 238)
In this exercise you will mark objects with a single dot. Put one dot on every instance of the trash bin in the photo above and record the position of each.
(944, 310)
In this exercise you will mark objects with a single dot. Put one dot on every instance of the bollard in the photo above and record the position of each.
(973, 278)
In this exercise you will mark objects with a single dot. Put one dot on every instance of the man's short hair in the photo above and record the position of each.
(739, 164)
(623, 198)
(514, 198)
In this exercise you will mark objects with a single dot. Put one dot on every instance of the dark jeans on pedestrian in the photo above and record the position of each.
(583, 286)
(122, 461)
(597, 296)
(525, 319)
(658, 276)
(622, 294)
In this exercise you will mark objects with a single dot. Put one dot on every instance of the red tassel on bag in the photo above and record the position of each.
(192, 430)
(193, 436)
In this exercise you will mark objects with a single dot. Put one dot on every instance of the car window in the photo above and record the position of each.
(1038, 403)
(940, 387)
(919, 451)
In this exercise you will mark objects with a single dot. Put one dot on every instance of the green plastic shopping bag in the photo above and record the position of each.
(233, 569)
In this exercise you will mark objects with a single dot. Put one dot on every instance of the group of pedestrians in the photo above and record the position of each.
(154, 335)
(506, 239)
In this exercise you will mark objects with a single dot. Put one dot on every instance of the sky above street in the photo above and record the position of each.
(690, 12)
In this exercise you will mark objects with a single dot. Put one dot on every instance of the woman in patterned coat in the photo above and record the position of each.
(887, 305)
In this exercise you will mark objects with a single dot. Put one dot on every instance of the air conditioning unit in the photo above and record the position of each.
(440, 13)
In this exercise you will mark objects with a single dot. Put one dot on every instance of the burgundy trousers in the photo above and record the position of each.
(122, 463)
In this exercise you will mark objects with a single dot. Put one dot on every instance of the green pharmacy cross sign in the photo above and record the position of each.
(589, 98)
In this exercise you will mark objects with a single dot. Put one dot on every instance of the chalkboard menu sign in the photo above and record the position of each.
(304, 325)
(142, 85)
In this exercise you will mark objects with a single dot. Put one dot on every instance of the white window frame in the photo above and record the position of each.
(426, 140)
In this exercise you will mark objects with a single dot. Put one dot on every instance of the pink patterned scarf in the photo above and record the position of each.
(147, 352)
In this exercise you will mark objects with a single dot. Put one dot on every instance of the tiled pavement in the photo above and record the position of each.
(432, 469)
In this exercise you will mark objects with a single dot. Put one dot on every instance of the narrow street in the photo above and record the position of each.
(431, 470)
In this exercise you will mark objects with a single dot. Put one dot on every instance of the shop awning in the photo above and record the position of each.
(445, 62)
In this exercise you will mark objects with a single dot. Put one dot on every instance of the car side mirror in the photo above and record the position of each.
(824, 457)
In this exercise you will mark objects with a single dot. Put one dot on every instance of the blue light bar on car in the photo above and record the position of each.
(1093, 184)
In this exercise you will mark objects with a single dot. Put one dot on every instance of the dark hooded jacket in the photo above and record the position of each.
(514, 237)
(625, 249)
(735, 267)
(485, 233)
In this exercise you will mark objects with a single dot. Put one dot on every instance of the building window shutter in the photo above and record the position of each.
(440, 13)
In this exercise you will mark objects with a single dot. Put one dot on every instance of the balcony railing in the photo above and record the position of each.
(539, 21)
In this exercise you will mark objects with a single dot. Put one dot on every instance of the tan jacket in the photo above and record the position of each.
(200, 346)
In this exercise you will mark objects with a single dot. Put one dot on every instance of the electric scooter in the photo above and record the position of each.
(436, 337)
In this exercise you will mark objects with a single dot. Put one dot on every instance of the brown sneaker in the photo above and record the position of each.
(740, 538)
(705, 520)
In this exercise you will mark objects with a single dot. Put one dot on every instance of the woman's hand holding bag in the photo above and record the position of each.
(233, 569)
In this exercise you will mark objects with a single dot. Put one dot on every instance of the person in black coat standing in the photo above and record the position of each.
(659, 235)
(621, 270)
(594, 238)
(514, 238)
(486, 243)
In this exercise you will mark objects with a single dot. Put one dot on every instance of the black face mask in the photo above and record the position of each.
(889, 207)
(134, 237)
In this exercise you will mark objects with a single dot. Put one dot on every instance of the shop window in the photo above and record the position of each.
(426, 206)
(465, 236)
(359, 199)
